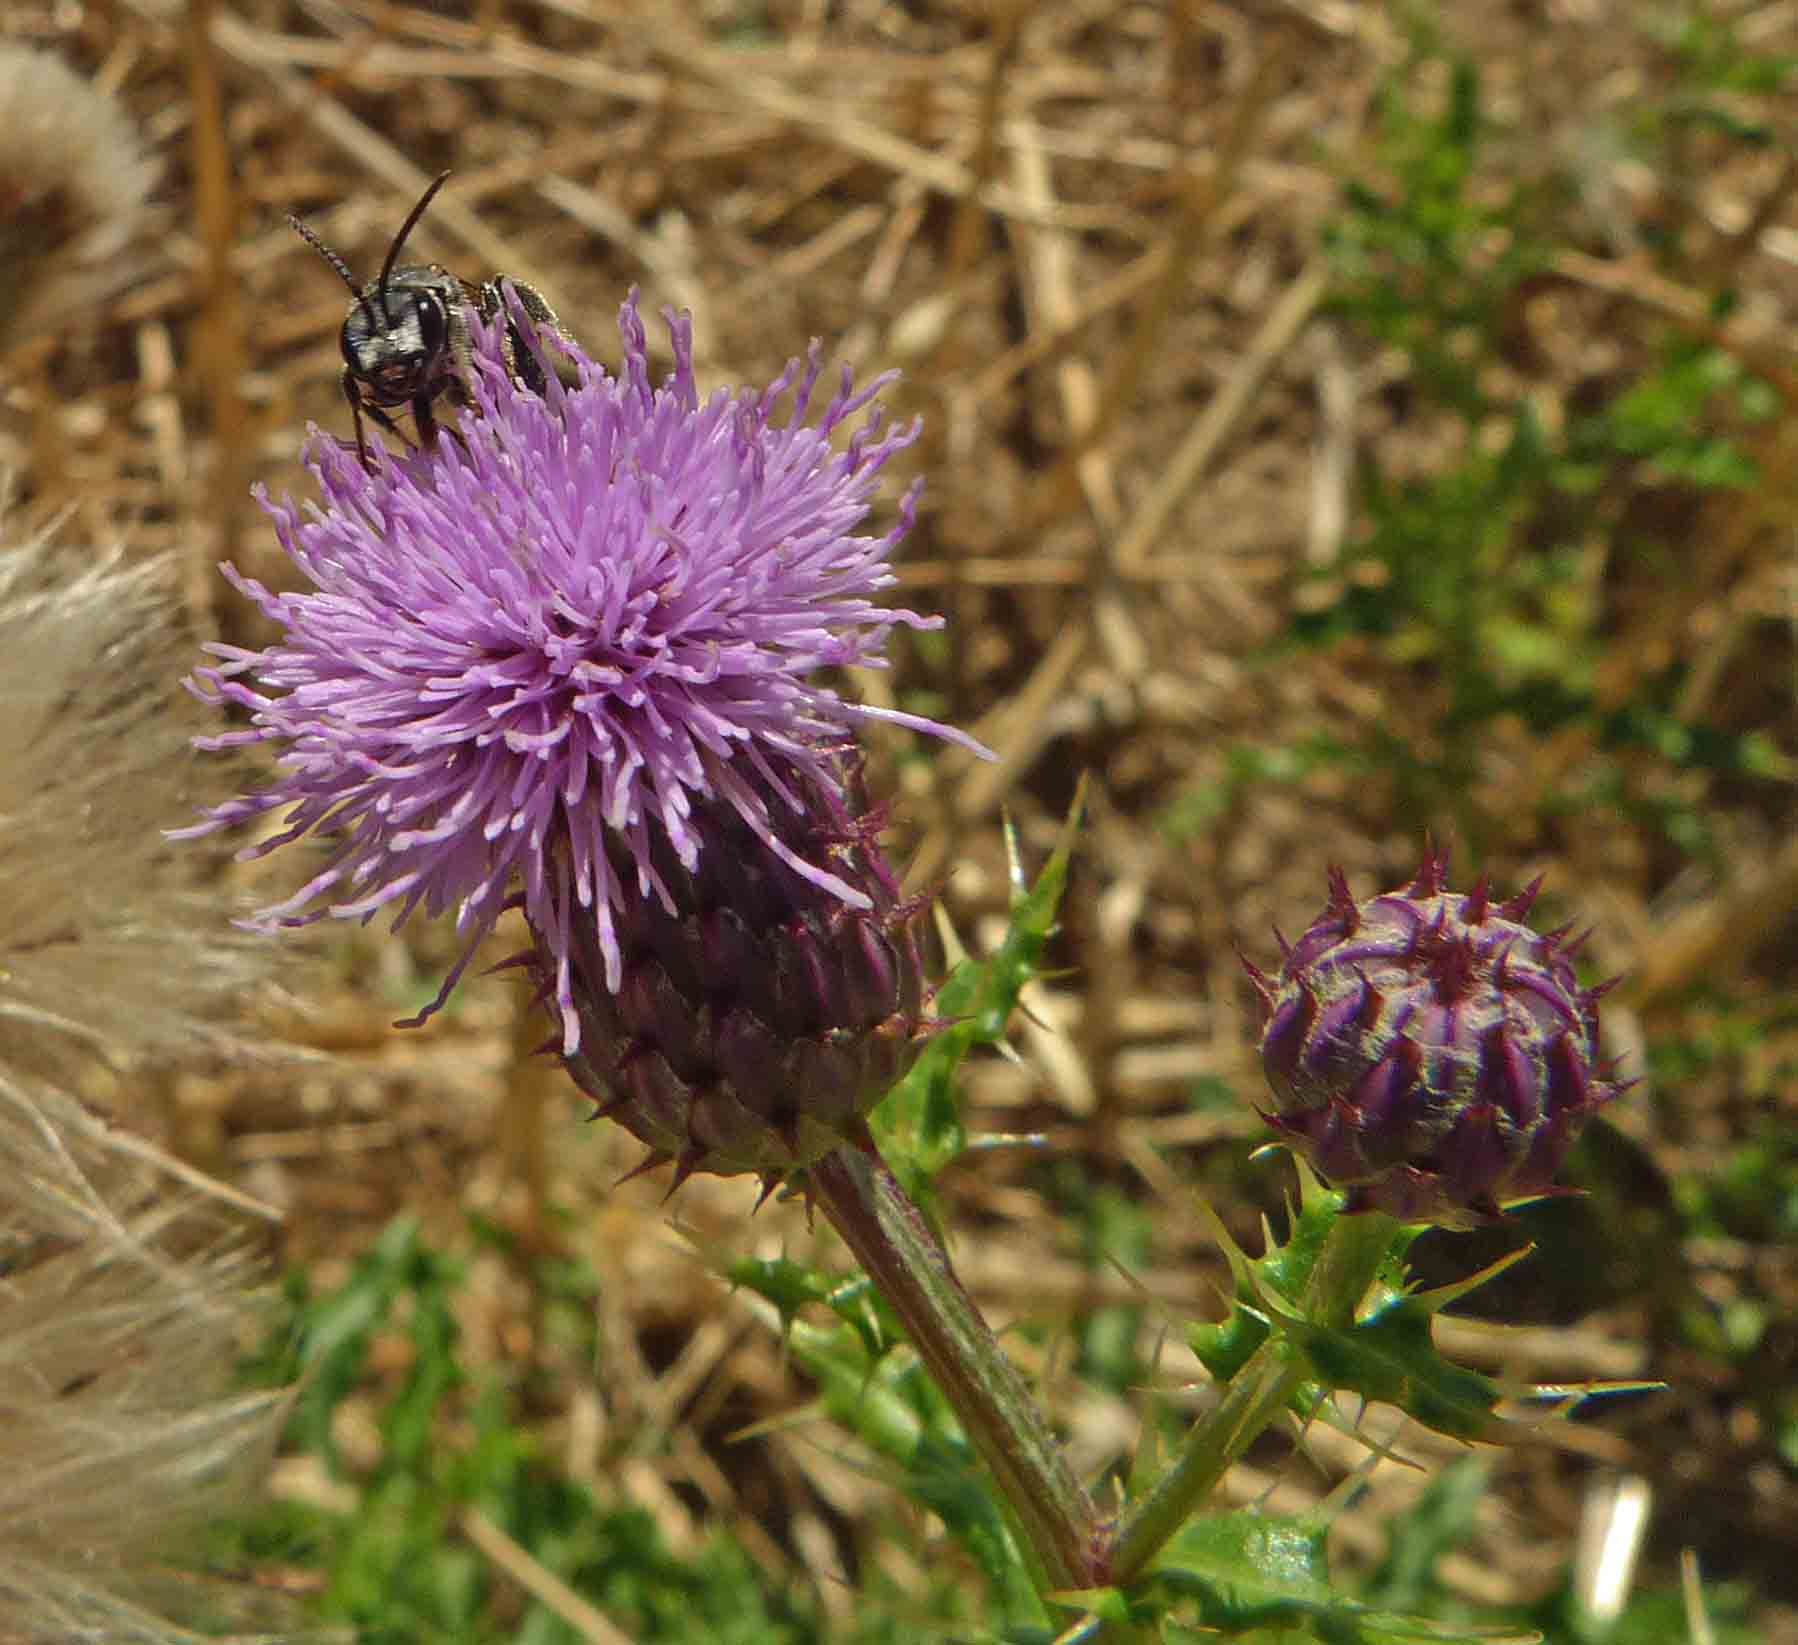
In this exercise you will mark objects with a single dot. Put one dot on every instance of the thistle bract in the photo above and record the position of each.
(760, 1017)
(566, 659)
(1429, 1052)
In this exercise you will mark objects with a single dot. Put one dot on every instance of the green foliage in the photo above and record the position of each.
(1385, 1353)
(1113, 1229)
(1754, 1196)
(1274, 1279)
(1441, 1520)
(399, 1566)
(1653, 1617)
(791, 1285)
(1428, 262)
(1745, 1194)
(398, 1561)
(919, 1125)
(1478, 585)
(886, 1400)
(1243, 1570)
(1710, 56)
(896, 1410)
(1437, 1523)
(1390, 1356)
(1254, 765)
(1263, 1575)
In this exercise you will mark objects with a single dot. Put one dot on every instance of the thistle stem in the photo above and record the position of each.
(1256, 1396)
(902, 1256)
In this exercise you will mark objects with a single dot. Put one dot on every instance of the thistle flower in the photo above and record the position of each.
(761, 1019)
(72, 185)
(93, 760)
(123, 1297)
(568, 662)
(1430, 1052)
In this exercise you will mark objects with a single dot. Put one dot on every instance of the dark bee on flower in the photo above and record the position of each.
(406, 342)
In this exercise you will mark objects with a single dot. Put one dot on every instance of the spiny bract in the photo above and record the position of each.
(760, 1017)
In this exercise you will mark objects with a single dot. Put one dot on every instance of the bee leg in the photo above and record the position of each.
(424, 421)
(372, 410)
(461, 351)
(360, 408)
(529, 355)
(354, 395)
(535, 304)
(522, 361)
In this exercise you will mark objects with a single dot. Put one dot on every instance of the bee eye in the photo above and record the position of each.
(432, 322)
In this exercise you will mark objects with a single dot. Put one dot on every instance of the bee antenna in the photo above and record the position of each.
(325, 252)
(406, 228)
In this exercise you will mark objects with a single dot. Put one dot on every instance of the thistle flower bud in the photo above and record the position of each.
(1429, 1052)
(760, 1016)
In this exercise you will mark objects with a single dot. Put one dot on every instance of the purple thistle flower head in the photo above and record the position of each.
(537, 660)
(1430, 1052)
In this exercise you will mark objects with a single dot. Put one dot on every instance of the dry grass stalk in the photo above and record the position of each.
(123, 1309)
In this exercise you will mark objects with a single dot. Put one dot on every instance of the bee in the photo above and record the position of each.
(405, 340)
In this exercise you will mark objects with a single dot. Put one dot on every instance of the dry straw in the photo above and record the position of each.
(124, 1293)
(105, 945)
(122, 1312)
(125, 1284)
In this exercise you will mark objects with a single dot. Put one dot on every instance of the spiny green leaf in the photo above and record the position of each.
(919, 1125)
(1246, 1561)
(791, 1285)
(899, 1414)
(1391, 1357)
(1238, 1572)
(1277, 1276)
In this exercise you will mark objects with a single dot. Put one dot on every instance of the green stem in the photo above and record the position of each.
(907, 1263)
(1260, 1393)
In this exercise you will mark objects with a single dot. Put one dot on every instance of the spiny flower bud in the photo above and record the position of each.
(759, 1016)
(1429, 1052)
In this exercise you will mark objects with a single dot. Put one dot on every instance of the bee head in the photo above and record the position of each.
(394, 337)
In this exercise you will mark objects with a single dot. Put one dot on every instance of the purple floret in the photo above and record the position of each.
(577, 621)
